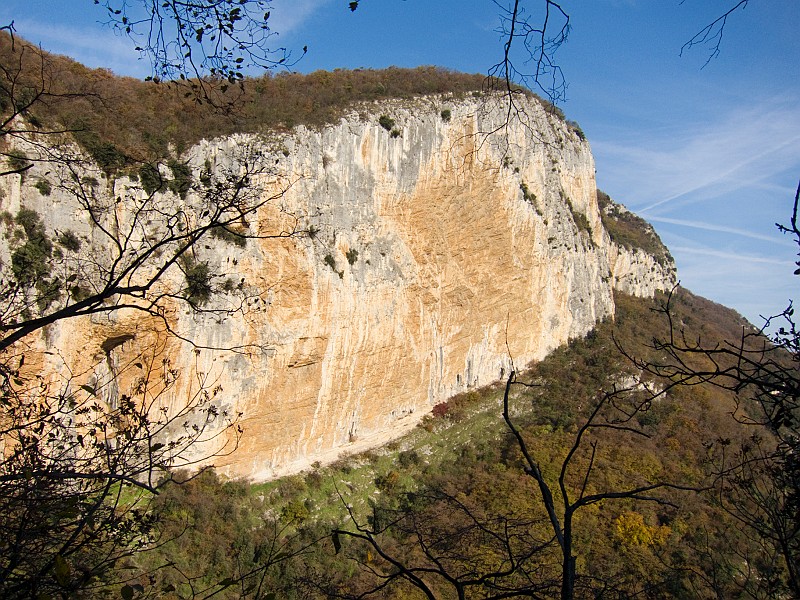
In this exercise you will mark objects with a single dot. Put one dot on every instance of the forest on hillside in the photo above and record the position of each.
(123, 122)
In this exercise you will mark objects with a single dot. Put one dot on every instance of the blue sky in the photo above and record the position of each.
(710, 155)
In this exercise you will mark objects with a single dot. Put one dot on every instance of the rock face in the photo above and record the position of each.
(427, 258)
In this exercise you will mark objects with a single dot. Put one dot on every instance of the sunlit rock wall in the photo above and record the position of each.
(424, 262)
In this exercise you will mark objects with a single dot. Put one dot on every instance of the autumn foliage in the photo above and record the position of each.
(121, 120)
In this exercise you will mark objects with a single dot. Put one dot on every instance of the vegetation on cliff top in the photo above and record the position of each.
(122, 121)
(630, 230)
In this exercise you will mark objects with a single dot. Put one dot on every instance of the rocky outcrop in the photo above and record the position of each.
(426, 256)
(640, 263)
(637, 273)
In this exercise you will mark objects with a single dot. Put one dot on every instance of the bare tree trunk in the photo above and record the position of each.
(568, 563)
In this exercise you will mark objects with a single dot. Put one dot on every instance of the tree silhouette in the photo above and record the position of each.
(83, 447)
(760, 477)
(524, 542)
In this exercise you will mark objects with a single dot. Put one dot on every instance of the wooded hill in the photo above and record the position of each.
(123, 121)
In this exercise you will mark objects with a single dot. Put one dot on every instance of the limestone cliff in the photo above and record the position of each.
(640, 262)
(425, 254)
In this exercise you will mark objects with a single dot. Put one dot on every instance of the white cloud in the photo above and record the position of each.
(94, 46)
(756, 286)
(288, 15)
(722, 229)
(744, 148)
(735, 257)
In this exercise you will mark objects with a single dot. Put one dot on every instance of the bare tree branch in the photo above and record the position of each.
(711, 34)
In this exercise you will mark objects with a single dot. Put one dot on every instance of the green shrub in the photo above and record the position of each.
(352, 256)
(581, 222)
(181, 178)
(108, 156)
(105, 153)
(31, 262)
(527, 195)
(49, 290)
(151, 179)
(331, 262)
(79, 292)
(389, 482)
(43, 186)
(553, 109)
(205, 174)
(294, 512)
(90, 181)
(386, 122)
(314, 479)
(18, 161)
(530, 197)
(573, 126)
(446, 115)
(198, 282)
(408, 458)
(226, 234)
(30, 221)
(69, 241)
(395, 133)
